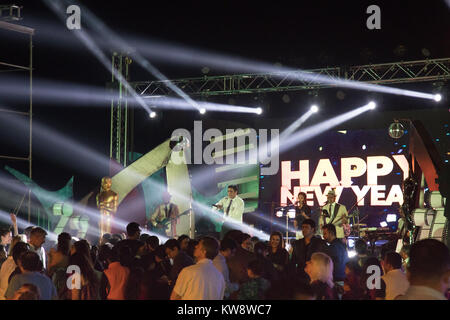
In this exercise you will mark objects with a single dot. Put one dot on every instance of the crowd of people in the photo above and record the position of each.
(238, 267)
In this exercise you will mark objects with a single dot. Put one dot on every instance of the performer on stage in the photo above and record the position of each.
(232, 206)
(164, 219)
(107, 202)
(334, 213)
(302, 210)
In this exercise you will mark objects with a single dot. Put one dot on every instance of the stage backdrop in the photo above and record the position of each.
(366, 167)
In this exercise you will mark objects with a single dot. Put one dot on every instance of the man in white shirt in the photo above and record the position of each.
(201, 281)
(396, 281)
(232, 207)
(37, 239)
(428, 272)
(336, 214)
(228, 249)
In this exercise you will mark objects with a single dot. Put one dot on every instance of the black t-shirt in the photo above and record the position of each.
(134, 245)
(298, 214)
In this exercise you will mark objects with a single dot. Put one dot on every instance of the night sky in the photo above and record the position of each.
(297, 34)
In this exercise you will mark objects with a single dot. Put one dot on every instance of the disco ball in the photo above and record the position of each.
(396, 130)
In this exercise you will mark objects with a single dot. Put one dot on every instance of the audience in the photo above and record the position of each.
(256, 287)
(303, 249)
(240, 267)
(179, 257)
(320, 272)
(227, 250)
(394, 278)
(31, 267)
(201, 281)
(428, 272)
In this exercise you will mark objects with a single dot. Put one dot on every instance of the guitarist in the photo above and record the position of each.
(166, 211)
(334, 213)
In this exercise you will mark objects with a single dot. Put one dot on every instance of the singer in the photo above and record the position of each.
(334, 213)
(302, 210)
(232, 206)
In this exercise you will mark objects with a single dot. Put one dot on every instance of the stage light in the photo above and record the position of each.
(291, 213)
(372, 105)
(152, 114)
(279, 213)
(383, 224)
(437, 97)
(258, 110)
(364, 147)
(314, 108)
(351, 253)
(202, 111)
(391, 217)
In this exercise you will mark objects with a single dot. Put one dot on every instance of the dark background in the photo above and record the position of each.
(297, 34)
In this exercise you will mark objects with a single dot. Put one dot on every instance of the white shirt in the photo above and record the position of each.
(396, 283)
(221, 264)
(236, 209)
(201, 281)
(422, 293)
(7, 268)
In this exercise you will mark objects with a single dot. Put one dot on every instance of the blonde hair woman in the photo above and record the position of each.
(320, 272)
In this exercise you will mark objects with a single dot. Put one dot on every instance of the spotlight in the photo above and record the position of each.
(364, 147)
(351, 253)
(372, 105)
(314, 108)
(258, 110)
(279, 213)
(437, 97)
(152, 114)
(383, 224)
(202, 110)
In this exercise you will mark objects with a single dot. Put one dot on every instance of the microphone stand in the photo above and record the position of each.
(357, 211)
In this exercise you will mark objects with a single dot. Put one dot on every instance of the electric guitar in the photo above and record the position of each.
(165, 222)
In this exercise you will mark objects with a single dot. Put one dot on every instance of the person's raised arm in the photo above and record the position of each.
(14, 223)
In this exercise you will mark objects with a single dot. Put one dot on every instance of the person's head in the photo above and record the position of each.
(391, 261)
(247, 242)
(81, 247)
(329, 232)
(14, 241)
(261, 249)
(360, 246)
(235, 235)
(207, 248)
(64, 240)
(352, 269)
(191, 247)
(228, 248)
(276, 240)
(166, 197)
(308, 228)
(152, 243)
(133, 231)
(429, 265)
(106, 183)
(232, 191)
(143, 237)
(18, 249)
(183, 240)
(320, 268)
(104, 253)
(27, 291)
(106, 237)
(172, 248)
(301, 197)
(255, 269)
(27, 232)
(29, 261)
(331, 196)
(160, 253)
(37, 237)
(6, 236)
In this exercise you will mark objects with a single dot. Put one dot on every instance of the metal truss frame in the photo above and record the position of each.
(386, 73)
